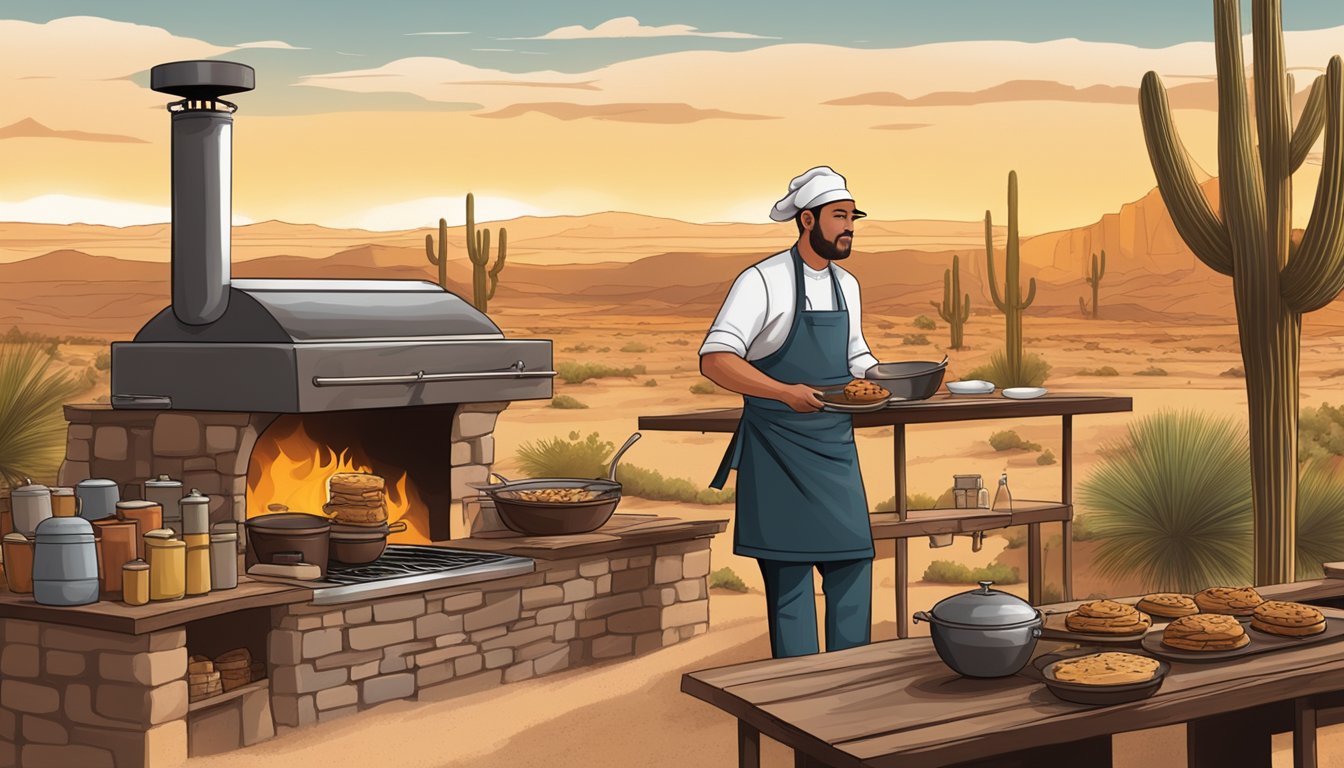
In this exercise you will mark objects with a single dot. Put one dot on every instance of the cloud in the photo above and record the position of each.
(666, 114)
(422, 34)
(413, 214)
(69, 209)
(29, 128)
(900, 126)
(273, 44)
(629, 26)
(493, 50)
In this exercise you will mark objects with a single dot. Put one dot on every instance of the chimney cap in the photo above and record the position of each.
(205, 79)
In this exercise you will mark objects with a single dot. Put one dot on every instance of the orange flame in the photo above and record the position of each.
(288, 467)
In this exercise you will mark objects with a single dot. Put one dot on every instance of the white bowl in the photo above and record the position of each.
(1023, 393)
(971, 387)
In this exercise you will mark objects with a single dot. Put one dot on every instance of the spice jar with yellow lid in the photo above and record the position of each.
(135, 582)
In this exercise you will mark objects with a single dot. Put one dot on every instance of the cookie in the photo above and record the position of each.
(1106, 609)
(1205, 632)
(1110, 668)
(1281, 613)
(356, 482)
(1206, 645)
(1121, 625)
(1278, 629)
(1168, 605)
(1237, 601)
(864, 391)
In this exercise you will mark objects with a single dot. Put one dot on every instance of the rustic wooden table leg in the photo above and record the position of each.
(898, 468)
(1034, 563)
(902, 591)
(1066, 497)
(1304, 733)
(748, 746)
(1087, 753)
(1240, 738)
(801, 760)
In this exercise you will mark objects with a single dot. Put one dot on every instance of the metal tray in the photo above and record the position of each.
(1054, 628)
(834, 407)
(1097, 694)
(1261, 642)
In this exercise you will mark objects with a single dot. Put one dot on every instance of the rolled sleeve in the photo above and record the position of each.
(860, 357)
(741, 317)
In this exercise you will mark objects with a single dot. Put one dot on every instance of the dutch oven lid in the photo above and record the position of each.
(64, 526)
(290, 522)
(984, 607)
(163, 481)
(29, 488)
(97, 482)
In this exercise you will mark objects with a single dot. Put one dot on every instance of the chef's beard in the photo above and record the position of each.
(831, 250)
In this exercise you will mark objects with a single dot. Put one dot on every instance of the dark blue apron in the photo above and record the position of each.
(800, 496)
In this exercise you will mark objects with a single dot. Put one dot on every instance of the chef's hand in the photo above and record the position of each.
(800, 397)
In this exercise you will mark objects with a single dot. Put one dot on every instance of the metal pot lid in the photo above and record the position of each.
(195, 497)
(136, 504)
(984, 607)
(97, 482)
(64, 526)
(30, 489)
(290, 522)
(163, 481)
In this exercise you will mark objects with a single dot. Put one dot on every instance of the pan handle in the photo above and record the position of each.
(287, 558)
(502, 478)
(614, 459)
(397, 527)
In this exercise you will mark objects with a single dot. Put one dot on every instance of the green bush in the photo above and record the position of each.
(915, 340)
(912, 501)
(724, 578)
(32, 422)
(925, 323)
(590, 457)
(636, 347)
(1104, 370)
(1033, 372)
(1046, 458)
(650, 484)
(579, 348)
(1008, 440)
(704, 387)
(1320, 432)
(885, 325)
(949, 572)
(1151, 370)
(1051, 593)
(566, 402)
(651, 383)
(577, 373)
(1015, 536)
(103, 362)
(1083, 529)
(679, 343)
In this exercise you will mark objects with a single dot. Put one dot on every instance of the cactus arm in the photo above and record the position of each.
(965, 307)
(499, 262)
(1309, 126)
(1316, 273)
(1031, 294)
(1190, 211)
(1102, 272)
(989, 261)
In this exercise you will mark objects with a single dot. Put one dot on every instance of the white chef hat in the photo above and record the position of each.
(816, 186)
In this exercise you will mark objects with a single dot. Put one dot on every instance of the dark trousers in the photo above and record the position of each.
(792, 611)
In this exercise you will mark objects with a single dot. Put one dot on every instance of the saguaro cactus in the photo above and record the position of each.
(1094, 280)
(441, 260)
(1009, 302)
(478, 250)
(1249, 240)
(956, 307)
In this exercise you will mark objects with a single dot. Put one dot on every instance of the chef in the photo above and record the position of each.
(790, 324)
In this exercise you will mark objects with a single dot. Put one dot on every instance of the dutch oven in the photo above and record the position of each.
(983, 632)
(910, 380)
(360, 544)
(288, 538)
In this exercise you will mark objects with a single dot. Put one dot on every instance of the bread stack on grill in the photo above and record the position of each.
(357, 499)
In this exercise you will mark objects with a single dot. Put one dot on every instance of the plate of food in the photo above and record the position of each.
(858, 396)
(970, 387)
(1108, 677)
(1023, 393)
(1272, 625)
(1099, 621)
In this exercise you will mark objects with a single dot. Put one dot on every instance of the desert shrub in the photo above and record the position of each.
(949, 572)
(1008, 440)
(651, 383)
(925, 323)
(679, 343)
(915, 340)
(1032, 373)
(577, 373)
(1016, 537)
(704, 387)
(1236, 372)
(912, 501)
(1046, 458)
(1104, 370)
(1083, 530)
(1151, 370)
(1320, 432)
(579, 348)
(636, 347)
(32, 423)
(1051, 593)
(724, 578)
(590, 456)
(604, 349)
(650, 484)
(103, 361)
(885, 325)
(567, 403)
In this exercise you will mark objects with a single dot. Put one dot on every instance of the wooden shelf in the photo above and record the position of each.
(264, 684)
(929, 522)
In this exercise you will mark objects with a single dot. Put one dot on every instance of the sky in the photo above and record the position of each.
(383, 115)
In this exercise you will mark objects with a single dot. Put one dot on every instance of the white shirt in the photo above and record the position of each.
(756, 316)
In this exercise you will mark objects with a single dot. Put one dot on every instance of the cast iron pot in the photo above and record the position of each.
(357, 545)
(984, 632)
(288, 538)
(912, 380)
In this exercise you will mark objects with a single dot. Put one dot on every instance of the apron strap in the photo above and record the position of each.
(729, 461)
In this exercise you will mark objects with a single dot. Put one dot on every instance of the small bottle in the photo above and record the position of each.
(982, 498)
(1003, 498)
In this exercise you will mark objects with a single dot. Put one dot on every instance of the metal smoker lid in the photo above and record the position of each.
(30, 489)
(984, 608)
(163, 481)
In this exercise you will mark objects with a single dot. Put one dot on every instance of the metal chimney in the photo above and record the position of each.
(202, 181)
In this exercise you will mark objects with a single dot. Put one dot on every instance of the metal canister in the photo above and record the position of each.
(29, 505)
(195, 513)
(135, 582)
(224, 556)
(147, 516)
(118, 548)
(98, 498)
(63, 502)
(167, 493)
(197, 563)
(18, 553)
(167, 558)
(65, 562)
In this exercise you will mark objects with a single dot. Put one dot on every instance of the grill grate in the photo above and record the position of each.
(400, 560)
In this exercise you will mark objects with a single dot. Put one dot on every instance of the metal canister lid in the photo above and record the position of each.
(224, 532)
(163, 481)
(135, 565)
(195, 497)
(136, 504)
(97, 482)
(62, 490)
(29, 488)
(16, 537)
(160, 533)
(62, 527)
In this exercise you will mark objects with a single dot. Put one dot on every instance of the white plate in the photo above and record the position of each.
(1023, 393)
(831, 407)
(971, 387)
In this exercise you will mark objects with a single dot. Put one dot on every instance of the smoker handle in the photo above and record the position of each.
(516, 371)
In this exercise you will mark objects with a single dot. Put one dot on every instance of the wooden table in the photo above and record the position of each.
(896, 705)
(903, 524)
